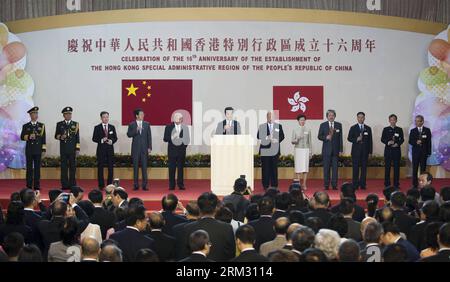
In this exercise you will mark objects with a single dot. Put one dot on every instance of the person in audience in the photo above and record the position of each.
(200, 246)
(68, 248)
(302, 239)
(280, 226)
(164, 244)
(426, 180)
(314, 223)
(298, 200)
(252, 212)
(12, 245)
(264, 224)
(110, 253)
(131, 239)
(429, 213)
(348, 192)
(101, 216)
(328, 241)
(283, 256)
(245, 239)
(443, 238)
(192, 214)
(347, 208)
(77, 192)
(119, 198)
(431, 241)
(349, 251)
(364, 223)
(445, 194)
(146, 255)
(292, 227)
(90, 249)
(220, 233)
(314, 255)
(339, 224)
(391, 235)
(169, 204)
(234, 223)
(395, 253)
(372, 249)
(444, 212)
(31, 199)
(237, 199)
(30, 253)
(404, 221)
(15, 222)
(296, 216)
(282, 202)
(91, 230)
(320, 204)
(372, 204)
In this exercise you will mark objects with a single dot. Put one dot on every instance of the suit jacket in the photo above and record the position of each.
(235, 128)
(417, 234)
(278, 243)
(264, 230)
(221, 236)
(130, 241)
(178, 233)
(164, 245)
(50, 231)
(99, 134)
(196, 258)
(240, 204)
(365, 146)
(250, 256)
(171, 220)
(23, 229)
(335, 145)
(441, 256)
(105, 219)
(395, 134)
(279, 213)
(323, 214)
(414, 136)
(270, 149)
(141, 142)
(37, 145)
(32, 219)
(404, 221)
(72, 132)
(179, 144)
(358, 214)
(354, 230)
(413, 254)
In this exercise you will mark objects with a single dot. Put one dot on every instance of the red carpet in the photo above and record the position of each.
(158, 188)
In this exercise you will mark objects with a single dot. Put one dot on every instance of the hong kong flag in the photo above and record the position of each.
(292, 101)
(158, 98)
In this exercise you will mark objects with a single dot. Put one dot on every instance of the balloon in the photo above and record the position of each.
(440, 49)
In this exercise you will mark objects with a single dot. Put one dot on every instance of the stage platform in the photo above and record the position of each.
(158, 188)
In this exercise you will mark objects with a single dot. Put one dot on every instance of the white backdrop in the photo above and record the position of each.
(380, 83)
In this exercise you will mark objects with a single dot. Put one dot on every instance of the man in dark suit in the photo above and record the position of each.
(320, 203)
(132, 239)
(164, 244)
(68, 134)
(360, 135)
(33, 133)
(353, 227)
(347, 191)
(330, 133)
(105, 136)
(270, 135)
(220, 233)
(228, 126)
(391, 235)
(401, 218)
(30, 200)
(104, 218)
(392, 138)
(429, 214)
(141, 147)
(443, 254)
(169, 204)
(420, 140)
(245, 238)
(200, 247)
(237, 199)
(177, 136)
(264, 224)
(192, 214)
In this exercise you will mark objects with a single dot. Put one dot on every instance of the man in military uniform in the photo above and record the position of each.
(33, 133)
(67, 132)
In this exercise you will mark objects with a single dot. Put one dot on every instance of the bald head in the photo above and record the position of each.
(321, 199)
(156, 220)
(291, 229)
(90, 248)
(281, 225)
(110, 253)
(366, 222)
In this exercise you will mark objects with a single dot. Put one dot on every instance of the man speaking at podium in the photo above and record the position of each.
(228, 126)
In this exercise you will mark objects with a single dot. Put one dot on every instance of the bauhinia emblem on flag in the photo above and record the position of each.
(158, 98)
(290, 101)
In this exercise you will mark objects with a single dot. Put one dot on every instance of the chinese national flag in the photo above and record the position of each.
(292, 101)
(158, 98)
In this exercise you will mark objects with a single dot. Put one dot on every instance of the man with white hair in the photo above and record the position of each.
(328, 241)
(177, 136)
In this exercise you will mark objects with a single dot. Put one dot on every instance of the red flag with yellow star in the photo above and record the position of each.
(159, 98)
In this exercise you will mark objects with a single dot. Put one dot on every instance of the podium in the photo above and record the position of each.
(231, 157)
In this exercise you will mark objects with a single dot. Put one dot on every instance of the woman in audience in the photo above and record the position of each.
(68, 249)
(15, 222)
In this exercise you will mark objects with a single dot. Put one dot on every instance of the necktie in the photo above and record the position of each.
(105, 130)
